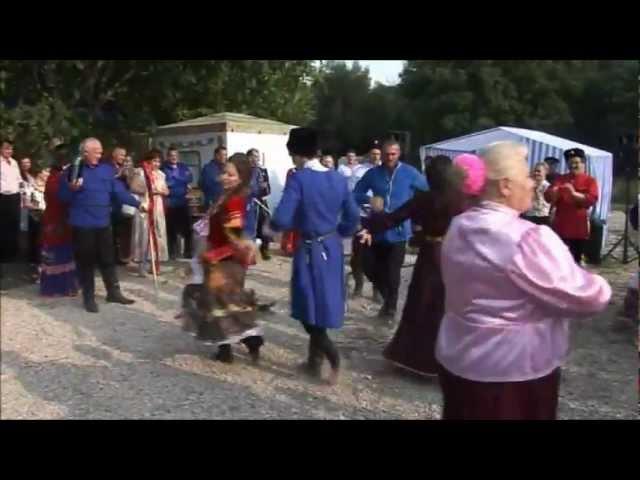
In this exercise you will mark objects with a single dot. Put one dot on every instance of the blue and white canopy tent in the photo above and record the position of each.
(541, 145)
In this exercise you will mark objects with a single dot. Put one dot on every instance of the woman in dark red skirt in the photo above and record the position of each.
(413, 344)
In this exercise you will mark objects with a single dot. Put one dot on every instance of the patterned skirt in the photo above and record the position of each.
(221, 311)
(58, 272)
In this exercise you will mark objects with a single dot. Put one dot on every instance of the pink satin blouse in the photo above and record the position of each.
(511, 288)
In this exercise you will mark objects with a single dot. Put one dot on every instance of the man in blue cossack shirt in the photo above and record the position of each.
(178, 178)
(396, 182)
(210, 177)
(91, 198)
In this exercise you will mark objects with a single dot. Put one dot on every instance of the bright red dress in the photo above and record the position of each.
(229, 215)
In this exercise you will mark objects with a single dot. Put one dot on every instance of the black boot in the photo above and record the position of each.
(118, 297)
(114, 294)
(253, 344)
(87, 284)
(224, 354)
(90, 304)
(313, 366)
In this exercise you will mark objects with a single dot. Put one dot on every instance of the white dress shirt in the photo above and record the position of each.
(9, 176)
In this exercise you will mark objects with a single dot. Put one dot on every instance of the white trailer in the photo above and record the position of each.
(197, 139)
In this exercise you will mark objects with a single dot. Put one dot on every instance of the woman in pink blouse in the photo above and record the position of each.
(512, 287)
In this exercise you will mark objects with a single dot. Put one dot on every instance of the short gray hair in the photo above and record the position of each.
(88, 141)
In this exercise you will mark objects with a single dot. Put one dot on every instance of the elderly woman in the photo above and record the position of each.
(512, 287)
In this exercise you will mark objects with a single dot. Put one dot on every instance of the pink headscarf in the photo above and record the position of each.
(476, 172)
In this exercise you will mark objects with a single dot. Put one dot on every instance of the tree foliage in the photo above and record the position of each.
(590, 101)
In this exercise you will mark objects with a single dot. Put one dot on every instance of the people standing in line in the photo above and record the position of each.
(210, 177)
(10, 179)
(178, 178)
(397, 183)
(149, 227)
(316, 202)
(58, 275)
(221, 311)
(454, 187)
(573, 195)
(121, 218)
(360, 253)
(90, 199)
(511, 290)
(31, 207)
(540, 208)
(264, 190)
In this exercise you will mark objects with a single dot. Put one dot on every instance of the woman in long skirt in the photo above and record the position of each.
(413, 344)
(221, 312)
(58, 276)
(148, 184)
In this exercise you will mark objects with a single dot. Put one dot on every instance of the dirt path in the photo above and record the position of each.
(135, 362)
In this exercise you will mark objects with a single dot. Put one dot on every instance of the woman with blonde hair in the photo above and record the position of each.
(512, 287)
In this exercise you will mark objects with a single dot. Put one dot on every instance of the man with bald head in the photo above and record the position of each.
(91, 198)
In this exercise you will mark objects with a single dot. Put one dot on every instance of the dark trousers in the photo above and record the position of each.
(179, 222)
(9, 226)
(356, 263)
(387, 267)
(122, 231)
(320, 346)
(33, 253)
(94, 247)
(577, 248)
(263, 218)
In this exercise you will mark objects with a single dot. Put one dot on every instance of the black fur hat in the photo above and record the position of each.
(574, 152)
(304, 142)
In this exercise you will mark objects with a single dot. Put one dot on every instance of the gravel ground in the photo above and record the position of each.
(136, 362)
